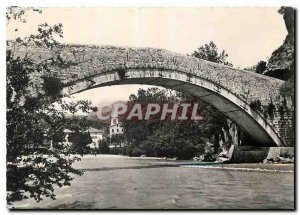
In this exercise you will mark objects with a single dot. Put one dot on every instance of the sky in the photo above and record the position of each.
(248, 35)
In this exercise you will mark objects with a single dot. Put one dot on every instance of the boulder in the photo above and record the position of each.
(279, 160)
(222, 160)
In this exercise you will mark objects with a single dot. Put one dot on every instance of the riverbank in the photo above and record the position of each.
(89, 162)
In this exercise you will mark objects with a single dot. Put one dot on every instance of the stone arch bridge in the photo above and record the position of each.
(232, 91)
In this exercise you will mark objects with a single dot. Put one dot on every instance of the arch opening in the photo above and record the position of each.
(222, 99)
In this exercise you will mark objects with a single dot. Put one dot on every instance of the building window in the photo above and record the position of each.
(112, 130)
(117, 130)
(114, 121)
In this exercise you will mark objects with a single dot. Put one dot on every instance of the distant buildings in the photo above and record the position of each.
(96, 135)
(115, 128)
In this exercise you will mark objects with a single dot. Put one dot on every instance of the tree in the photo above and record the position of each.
(80, 142)
(177, 139)
(162, 138)
(261, 67)
(117, 139)
(33, 120)
(210, 52)
(216, 125)
(136, 132)
(103, 146)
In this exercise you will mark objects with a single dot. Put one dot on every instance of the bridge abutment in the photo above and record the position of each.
(252, 154)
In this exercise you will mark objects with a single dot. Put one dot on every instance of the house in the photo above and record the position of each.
(115, 126)
(96, 135)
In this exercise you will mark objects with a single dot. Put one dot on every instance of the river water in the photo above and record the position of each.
(116, 182)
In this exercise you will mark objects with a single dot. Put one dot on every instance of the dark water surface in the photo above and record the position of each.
(115, 182)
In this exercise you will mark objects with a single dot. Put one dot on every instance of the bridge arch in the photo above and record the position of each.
(228, 89)
(229, 104)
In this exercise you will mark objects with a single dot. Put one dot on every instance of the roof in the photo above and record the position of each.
(67, 131)
(94, 130)
(120, 124)
(91, 130)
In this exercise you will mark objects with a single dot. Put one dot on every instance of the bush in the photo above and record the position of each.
(80, 142)
(261, 67)
(256, 105)
(209, 153)
(137, 152)
(116, 151)
(103, 147)
(52, 86)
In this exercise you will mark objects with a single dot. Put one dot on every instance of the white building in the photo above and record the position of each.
(115, 126)
(96, 135)
(67, 133)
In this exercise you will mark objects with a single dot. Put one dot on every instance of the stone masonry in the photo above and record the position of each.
(84, 63)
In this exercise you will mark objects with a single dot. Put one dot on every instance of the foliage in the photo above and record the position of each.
(176, 139)
(210, 52)
(104, 146)
(117, 139)
(117, 151)
(16, 13)
(271, 110)
(52, 86)
(256, 106)
(209, 153)
(288, 90)
(136, 152)
(80, 142)
(33, 120)
(260, 67)
(136, 132)
(215, 124)
(77, 122)
(183, 140)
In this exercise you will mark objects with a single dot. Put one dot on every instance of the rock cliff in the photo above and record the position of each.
(281, 63)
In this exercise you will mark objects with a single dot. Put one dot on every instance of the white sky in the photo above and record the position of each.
(247, 34)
